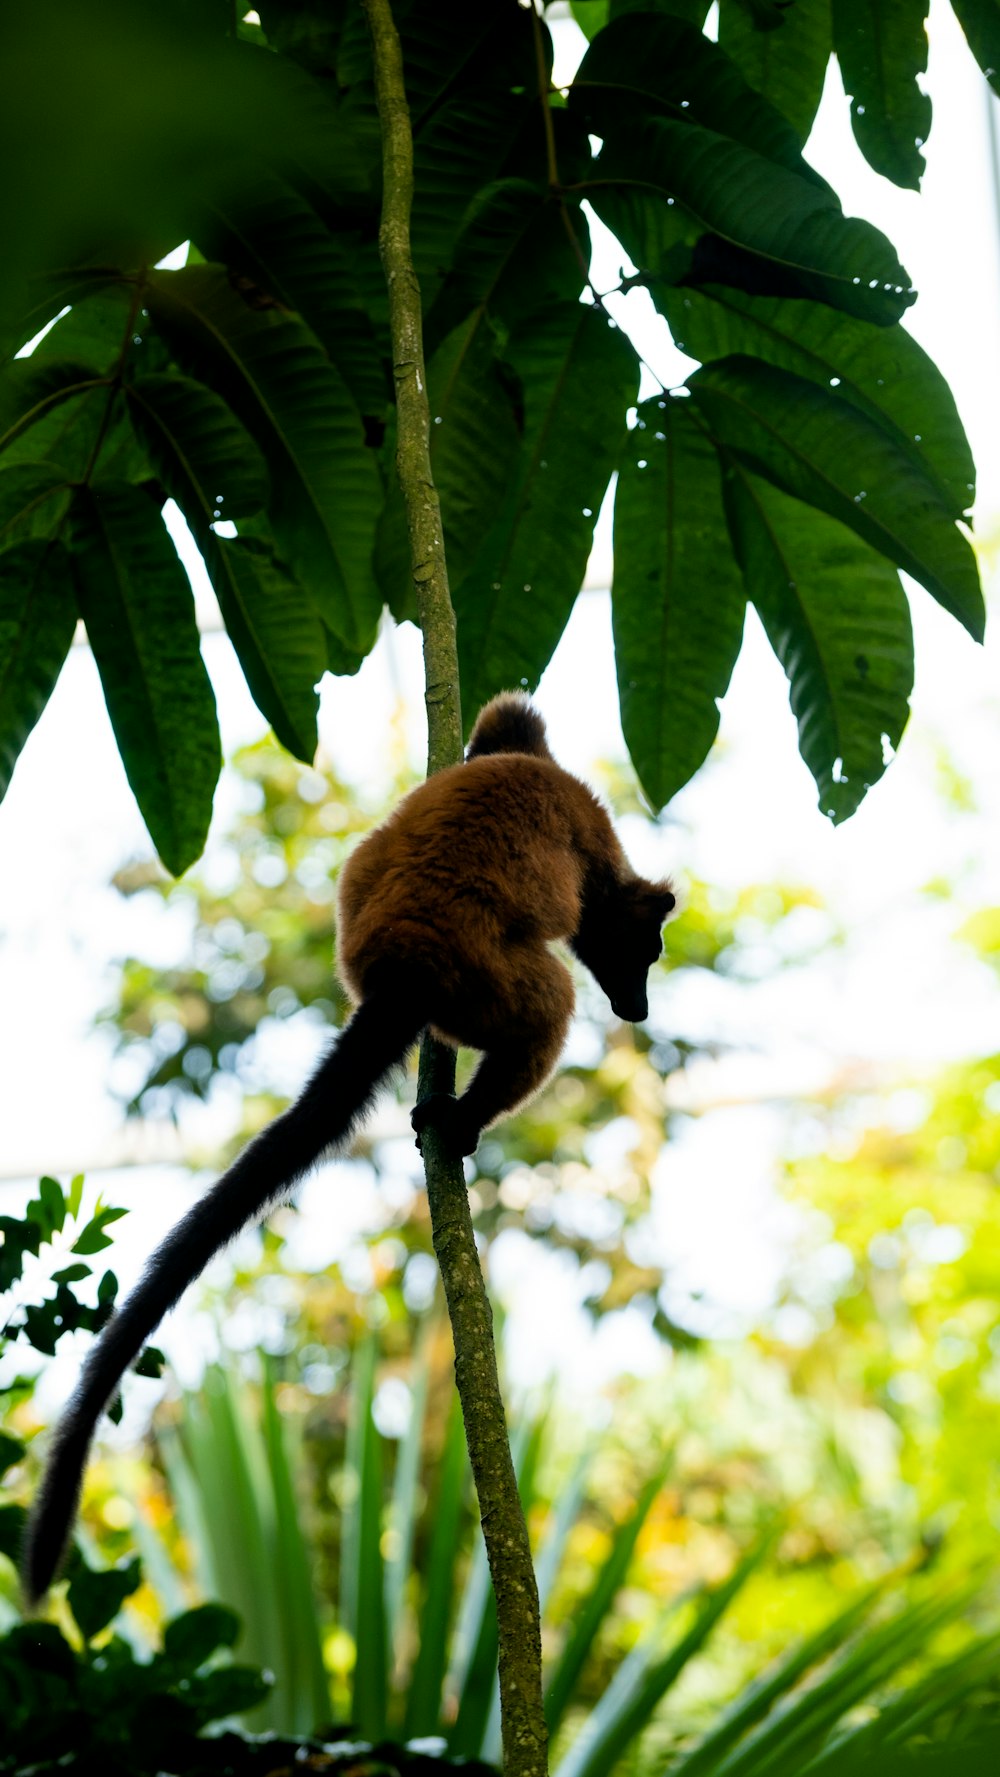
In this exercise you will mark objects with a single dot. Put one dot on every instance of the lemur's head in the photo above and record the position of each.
(623, 941)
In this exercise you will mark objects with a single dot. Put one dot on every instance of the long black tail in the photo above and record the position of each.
(378, 1037)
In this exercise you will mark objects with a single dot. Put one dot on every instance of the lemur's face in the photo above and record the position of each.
(633, 944)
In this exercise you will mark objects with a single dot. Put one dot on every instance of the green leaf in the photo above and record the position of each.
(11, 1451)
(136, 602)
(880, 370)
(596, 1606)
(326, 487)
(458, 150)
(93, 1239)
(33, 499)
(71, 1274)
(272, 235)
(96, 1598)
(229, 1690)
(754, 1702)
(212, 468)
(980, 20)
(811, 443)
(677, 601)
(53, 1203)
(363, 1575)
(515, 254)
(294, 1560)
(653, 64)
(194, 1637)
(423, 1700)
(276, 633)
(29, 391)
(150, 1362)
(789, 226)
(201, 453)
(786, 65)
(13, 1519)
(37, 620)
(837, 618)
(881, 46)
(75, 1197)
(475, 439)
(643, 1680)
(579, 376)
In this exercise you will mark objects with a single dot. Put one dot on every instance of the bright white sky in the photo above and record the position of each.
(898, 995)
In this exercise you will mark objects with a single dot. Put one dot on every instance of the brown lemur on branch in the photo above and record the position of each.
(446, 915)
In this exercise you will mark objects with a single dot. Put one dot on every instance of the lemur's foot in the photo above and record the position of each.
(446, 1116)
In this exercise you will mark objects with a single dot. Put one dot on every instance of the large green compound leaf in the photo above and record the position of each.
(677, 600)
(980, 20)
(277, 634)
(837, 618)
(197, 447)
(763, 209)
(579, 375)
(213, 469)
(326, 487)
(37, 620)
(823, 450)
(786, 65)
(520, 249)
(32, 501)
(272, 235)
(655, 64)
(881, 370)
(475, 441)
(30, 391)
(135, 600)
(881, 46)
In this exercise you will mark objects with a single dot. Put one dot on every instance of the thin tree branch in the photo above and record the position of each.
(507, 1547)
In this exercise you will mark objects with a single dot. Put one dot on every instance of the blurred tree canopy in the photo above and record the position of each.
(814, 453)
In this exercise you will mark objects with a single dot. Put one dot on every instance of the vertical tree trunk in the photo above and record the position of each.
(522, 1715)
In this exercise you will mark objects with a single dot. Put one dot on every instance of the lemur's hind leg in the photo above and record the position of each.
(512, 1068)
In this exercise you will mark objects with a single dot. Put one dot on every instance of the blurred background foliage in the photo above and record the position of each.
(762, 1505)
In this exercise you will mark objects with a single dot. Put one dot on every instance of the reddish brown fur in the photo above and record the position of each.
(470, 880)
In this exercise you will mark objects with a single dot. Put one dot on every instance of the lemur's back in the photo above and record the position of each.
(488, 853)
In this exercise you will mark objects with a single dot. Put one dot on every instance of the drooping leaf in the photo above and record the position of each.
(810, 442)
(212, 468)
(206, 460)
(654, 64)
(271, 234)
(95, 1598)
(32, 501)
(37, 620)
(326, 488)
(578, 377)
(838, 620)
(193, 1637)
(29, 391)
(787, 64)
(515, 254)
(276, 632)
(772, 217)
(980, 20)
(880, 370)
(881, 46)
(136, 602)
(459, 149)
(475, 440)
(677, 601)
